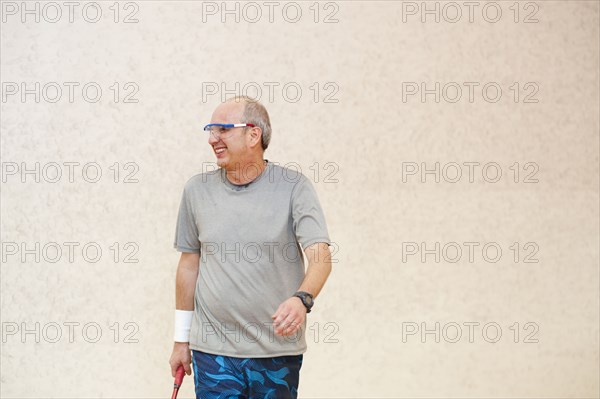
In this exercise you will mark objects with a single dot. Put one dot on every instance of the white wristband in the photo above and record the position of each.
(183, 324)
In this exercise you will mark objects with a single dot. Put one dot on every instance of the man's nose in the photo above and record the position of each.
(212, 139)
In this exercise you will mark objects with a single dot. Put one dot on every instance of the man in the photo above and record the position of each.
(242, 293)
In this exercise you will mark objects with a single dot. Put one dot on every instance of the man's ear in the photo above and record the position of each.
(256, 135)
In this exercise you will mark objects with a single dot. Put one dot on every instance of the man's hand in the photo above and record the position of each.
(181, 356)
(289, 316)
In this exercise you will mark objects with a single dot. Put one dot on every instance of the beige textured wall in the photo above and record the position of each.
(359, 131)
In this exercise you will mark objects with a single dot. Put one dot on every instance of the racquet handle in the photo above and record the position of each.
(178, 380)
(179, 376)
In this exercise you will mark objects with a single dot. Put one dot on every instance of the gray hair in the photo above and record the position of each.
(256, 113)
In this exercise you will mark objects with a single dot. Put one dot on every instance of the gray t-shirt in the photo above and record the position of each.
(249, 239)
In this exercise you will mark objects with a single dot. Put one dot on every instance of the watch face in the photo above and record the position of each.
(309, 300)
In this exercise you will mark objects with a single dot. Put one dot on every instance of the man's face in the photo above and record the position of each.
(230, 147)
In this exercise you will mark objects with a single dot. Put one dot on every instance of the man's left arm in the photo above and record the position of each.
(290, 315)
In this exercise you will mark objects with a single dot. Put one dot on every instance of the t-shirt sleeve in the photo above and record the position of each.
(186, 231)
(308, 218)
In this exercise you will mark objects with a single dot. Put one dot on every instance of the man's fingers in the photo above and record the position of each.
(278, 312)
(280, 320)
(285, 325)
(181, 360)
(290, 328)
(280, 315)
(188, 369)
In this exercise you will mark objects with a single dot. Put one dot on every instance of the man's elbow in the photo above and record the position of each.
(319, 254)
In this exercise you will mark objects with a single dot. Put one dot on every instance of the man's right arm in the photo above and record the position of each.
(187, 275)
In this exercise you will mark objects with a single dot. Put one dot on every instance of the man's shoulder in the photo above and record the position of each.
(203, 179)
(290, 173)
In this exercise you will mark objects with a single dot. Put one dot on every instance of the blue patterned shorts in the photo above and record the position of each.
(220, 377)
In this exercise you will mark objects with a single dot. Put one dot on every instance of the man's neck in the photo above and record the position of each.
(246, 173)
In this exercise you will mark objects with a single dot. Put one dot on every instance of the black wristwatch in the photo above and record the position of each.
(307, 299)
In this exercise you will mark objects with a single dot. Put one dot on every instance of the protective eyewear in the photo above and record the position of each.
(216, 129)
